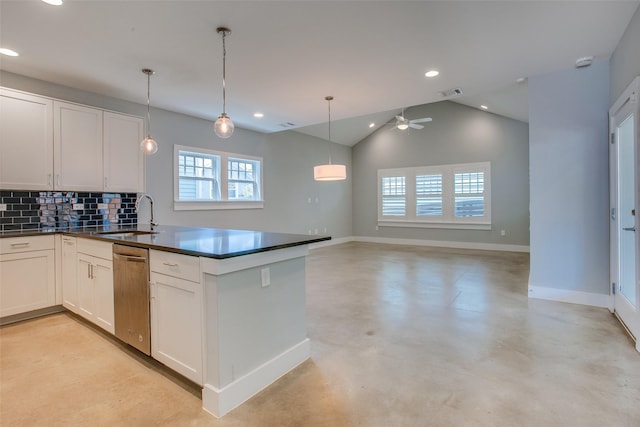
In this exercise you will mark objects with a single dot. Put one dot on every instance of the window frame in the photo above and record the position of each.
(448, 218)
(224, 202)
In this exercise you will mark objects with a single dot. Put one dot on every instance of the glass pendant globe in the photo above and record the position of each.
(224, 126)
(149, 145)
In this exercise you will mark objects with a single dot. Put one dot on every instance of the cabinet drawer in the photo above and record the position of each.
(95, 248)
(176, 265)
(12, 245)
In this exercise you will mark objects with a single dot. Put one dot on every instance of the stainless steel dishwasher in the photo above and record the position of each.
(131, 296)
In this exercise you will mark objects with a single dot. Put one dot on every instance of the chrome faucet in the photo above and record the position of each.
(139, 199)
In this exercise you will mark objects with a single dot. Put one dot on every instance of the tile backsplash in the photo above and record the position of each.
(61, 209)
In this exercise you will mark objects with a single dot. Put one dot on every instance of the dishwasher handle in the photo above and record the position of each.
(131, 258)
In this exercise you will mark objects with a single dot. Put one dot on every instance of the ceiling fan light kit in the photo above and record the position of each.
(402, 123)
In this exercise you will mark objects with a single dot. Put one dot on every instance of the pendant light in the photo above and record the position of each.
(149, 145)
(223, 126)
(329, 172)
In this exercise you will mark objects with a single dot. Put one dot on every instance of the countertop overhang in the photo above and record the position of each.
(217, 243)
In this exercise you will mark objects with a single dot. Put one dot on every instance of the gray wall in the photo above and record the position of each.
(457, 134)
(288, 159)
(569, 179)
(625, 61)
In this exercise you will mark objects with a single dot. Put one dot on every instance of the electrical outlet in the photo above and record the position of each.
(3, 207)
(503, 233)
(103, 206)
(265, 276)
(78, 207)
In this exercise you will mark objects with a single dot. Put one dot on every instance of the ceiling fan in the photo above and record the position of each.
(403, 123)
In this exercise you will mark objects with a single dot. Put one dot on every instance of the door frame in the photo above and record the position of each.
(630, 95)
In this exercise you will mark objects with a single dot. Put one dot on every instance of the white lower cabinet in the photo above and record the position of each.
(69, 274)
(176, 314)
(27, 274)
(94, 273)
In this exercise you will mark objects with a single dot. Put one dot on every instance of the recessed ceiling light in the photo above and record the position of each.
(53, 2)
(521, 80)
(431, 73)
(484, 107)
(8, 52)
(371, 124)
(258, 115)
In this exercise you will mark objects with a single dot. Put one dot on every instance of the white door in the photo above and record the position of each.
(625, 267)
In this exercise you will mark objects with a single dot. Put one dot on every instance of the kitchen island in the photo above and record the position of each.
(227, 306)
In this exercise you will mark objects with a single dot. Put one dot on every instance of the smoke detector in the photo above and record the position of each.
(583, 62)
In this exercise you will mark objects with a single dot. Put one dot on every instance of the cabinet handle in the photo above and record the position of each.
(67, 241)
(49, 180)
(170, 264)
(89, 271)
(19, 245)
(58, 179)
(106, 182)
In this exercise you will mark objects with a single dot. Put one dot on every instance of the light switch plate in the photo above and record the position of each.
(3, 207)
(103, 206)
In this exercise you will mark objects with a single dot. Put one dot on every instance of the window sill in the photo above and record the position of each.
(206, 206)
(446, 225)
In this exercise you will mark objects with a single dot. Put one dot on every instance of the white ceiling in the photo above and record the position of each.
(284, 57)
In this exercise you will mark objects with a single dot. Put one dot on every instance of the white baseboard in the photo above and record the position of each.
(442, 244)
(574, 297)
(220, 401)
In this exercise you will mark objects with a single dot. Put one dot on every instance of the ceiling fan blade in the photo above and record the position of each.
(415, 126)
(423, 120)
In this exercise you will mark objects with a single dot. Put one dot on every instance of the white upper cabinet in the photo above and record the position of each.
(46, 144)
(77, 137)
(123, 158)
(26, 141)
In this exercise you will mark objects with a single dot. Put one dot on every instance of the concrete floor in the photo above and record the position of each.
(401, 336)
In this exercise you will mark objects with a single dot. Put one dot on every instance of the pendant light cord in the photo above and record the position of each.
(149, 105)
(329, 98)
(224, 73)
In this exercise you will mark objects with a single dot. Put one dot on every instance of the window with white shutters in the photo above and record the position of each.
(393, 196)
(445, 196)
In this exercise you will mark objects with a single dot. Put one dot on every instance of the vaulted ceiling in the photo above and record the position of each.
(284, 57)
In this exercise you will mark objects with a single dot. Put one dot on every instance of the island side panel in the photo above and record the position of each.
(250, 327)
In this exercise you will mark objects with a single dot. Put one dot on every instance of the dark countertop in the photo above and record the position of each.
(218, 243)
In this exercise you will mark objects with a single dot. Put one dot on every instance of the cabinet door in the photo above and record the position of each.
(27, 281)
(102, 271)
(123, 159)
(176, 324)
(69, 274)
(26, 141)
(77, 141)
(86, 288)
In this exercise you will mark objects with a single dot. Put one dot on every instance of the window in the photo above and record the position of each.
(448, 196)
(393, 196)
(206, 179)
